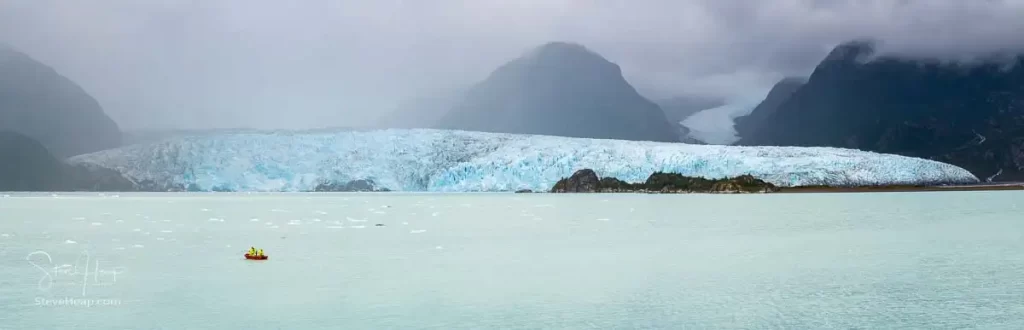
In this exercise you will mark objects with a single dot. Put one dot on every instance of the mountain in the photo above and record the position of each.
(38, 102)
(746, 125)
(967, 114)
(560, 89)
(26, 165)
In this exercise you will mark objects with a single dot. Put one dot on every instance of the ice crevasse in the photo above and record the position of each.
(455, 161)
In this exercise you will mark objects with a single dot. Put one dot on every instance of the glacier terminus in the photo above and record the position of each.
(463, 161)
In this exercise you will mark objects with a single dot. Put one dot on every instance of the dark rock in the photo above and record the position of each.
(350, 186)
(660, 182)
(584, 180)
(560, 89)
(969, 115)
(524, 191)
(39, 103)
(379, 225)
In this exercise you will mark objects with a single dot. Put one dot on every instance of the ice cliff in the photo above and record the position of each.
(443, 160)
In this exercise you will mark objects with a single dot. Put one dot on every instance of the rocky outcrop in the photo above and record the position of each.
(560, 89)
(26, 165)
(350, 186)
(583, 181)
(969, 115)
(39, 103)
(586, 180)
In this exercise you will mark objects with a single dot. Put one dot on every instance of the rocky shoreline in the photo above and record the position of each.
(587, 181)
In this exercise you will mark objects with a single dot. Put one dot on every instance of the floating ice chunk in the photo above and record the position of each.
(278, 210)
(320, 212)
(5, 235)
(435, 214)
(70, 242)
(119, 221)
(295, 222)
(254, 220)
(358, 227)
(216, 220)
(355, 220)
(603, 219)
(205, 210)
(97, 223)
(380, 212)
(78, 218)
(119, 248)
(405, 223)
(316, 220)
(439, 247)
(137, 229)
(417, 231)
(336, 227)
(138, 246)
(166, 231)
(159, 238)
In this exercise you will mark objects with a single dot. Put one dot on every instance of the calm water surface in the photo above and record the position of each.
(483, 261)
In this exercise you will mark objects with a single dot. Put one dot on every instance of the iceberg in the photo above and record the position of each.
(462, 161)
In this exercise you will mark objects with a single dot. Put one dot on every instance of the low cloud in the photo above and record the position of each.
(231, 63)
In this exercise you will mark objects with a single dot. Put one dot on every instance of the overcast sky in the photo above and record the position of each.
(315, 63)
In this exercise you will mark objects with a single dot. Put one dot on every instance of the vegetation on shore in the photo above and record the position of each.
(586, 180)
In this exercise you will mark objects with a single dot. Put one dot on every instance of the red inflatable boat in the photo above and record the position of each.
(255, 257)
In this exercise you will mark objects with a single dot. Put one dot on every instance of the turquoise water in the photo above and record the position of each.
(483, 261)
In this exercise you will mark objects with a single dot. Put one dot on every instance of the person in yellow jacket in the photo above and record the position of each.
(252, 251)
(261, 253)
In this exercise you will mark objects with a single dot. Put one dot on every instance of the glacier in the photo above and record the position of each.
(462, 161)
